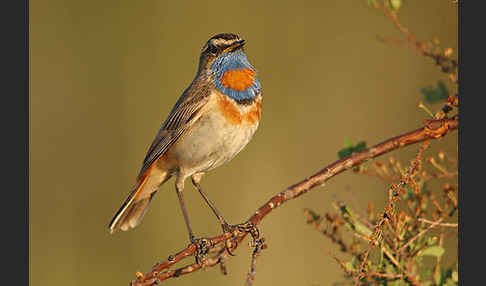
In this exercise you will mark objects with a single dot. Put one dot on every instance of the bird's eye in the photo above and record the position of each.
(212, 49)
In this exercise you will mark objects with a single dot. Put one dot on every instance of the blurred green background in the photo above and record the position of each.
(105, 74)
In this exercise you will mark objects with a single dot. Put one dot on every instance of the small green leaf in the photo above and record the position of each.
(455, 276)
(352, 223)
(396, 4)
(350, 149)
(372, 3)
(431, 240)
(436, 251)
(348, 143)
(433, 94)
(360, 146)
(349, 266)
(449, 282)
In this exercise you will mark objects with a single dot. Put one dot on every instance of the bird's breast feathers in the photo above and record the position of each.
(222, 129)
(239, 114)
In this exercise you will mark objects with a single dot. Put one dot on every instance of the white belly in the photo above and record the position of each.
(212, 141)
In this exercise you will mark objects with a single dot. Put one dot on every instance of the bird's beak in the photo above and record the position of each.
(235, 46)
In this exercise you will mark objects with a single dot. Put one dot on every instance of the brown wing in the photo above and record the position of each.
(186, 110)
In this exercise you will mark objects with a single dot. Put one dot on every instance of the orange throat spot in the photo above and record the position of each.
(238, 80)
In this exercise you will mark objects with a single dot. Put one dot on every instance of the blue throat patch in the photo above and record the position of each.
(234, 61)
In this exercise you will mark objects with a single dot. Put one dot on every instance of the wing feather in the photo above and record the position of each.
(186, 110)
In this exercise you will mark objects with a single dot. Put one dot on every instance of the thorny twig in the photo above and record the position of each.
(433, 129)
(394, 192)
(447, 64)
(389, 230)
(438, 224)
(421, 233)
(390, 170)
(259, 246)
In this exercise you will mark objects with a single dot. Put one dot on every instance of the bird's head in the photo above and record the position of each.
(220, 45)
(224, 62)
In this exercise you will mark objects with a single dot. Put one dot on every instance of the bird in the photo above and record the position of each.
(211, 122)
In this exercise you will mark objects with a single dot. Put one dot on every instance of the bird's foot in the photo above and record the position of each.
(246, 227)
(203, 246)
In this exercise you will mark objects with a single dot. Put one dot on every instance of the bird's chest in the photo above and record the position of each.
(223, 130)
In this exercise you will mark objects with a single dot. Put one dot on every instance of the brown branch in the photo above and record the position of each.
(447, 64)
(385, 275)
(421, 233)
(433, 129)
(354, 273)
(259, 246)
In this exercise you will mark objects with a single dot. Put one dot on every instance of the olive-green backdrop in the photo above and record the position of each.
(105, 74)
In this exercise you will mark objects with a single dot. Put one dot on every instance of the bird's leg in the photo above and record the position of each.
(244, 227)
(196, 178)
(179, 188)
(203, 245)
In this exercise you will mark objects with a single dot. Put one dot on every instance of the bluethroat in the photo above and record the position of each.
(212, 121)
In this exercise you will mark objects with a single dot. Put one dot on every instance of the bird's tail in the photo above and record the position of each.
(136, 204)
